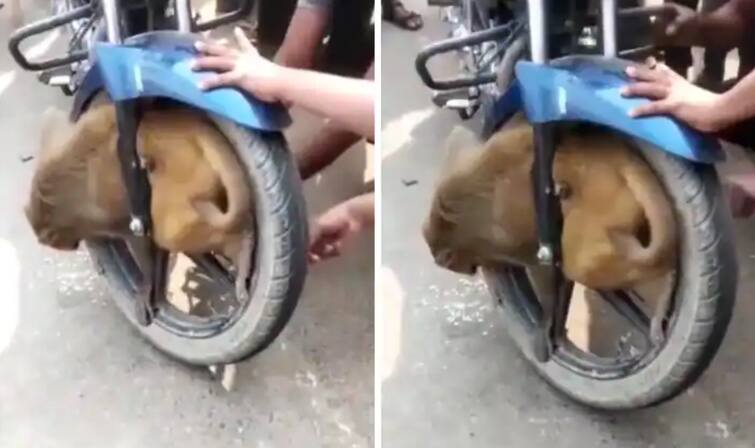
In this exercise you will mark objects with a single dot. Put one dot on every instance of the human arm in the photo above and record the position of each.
(347, 101)
(325, 146)
(672, 94)
(725, 27)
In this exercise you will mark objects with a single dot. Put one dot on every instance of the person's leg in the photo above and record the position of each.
(326, 146)
(396, 13)
(740, 188)
(679, 59)
(351, 46)
(304, 36)
(712, 74)
(746, 59)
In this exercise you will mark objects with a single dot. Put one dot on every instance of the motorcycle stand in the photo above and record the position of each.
(225, 373)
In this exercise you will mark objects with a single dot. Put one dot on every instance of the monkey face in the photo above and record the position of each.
(52, 198)
(58, 237)
(442, 237)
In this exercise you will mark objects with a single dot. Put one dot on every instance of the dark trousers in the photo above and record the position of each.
(351, 47)
(742, 134)
(679, 58)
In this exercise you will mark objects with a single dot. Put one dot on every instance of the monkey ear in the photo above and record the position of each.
(55, 127)
(460, 142)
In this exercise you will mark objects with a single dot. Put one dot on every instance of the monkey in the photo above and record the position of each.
(75, 190)
(191, 174)
(619, 228)
(201, 199)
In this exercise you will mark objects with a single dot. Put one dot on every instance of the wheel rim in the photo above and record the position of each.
(522, 299)
(213, 308)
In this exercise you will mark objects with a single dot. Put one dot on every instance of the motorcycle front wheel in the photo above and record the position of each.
(636, 371)
(195, 332)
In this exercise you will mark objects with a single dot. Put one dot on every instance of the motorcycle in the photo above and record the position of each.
(138, 52)
(560, 63)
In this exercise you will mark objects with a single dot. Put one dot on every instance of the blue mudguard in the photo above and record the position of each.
(156, 64)
(587, 88)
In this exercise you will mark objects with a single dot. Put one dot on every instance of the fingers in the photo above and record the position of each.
(324, 252)
(653, 90)
(214, 49)
(654, 83)
(643, 73)
(223, 79)
(326, 241)
(244, 43)
(216, 63)
(652, 108)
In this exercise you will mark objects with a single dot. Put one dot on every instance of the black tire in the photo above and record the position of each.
(280, 258)
(703, 298)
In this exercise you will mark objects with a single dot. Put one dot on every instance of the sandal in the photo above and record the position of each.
(398, 15)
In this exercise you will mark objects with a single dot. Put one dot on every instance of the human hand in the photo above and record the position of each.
(672, 94)
(678, 25)
(329, 233)
(338, 225)
(244, 68)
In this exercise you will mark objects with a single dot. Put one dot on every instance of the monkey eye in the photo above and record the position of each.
(148, 163)
(563, 191)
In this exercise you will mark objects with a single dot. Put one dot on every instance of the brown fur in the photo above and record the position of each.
(77, 191)
(483, 210)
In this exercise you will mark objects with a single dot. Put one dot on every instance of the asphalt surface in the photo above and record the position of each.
(73, 373)
(450, 375)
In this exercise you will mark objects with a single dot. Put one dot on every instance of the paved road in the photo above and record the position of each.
(452, 378)
(73, 373)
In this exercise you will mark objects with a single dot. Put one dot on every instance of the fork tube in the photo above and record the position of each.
(538, 31)
(183, 15)
(608, 27)
(112, 23)
(547, 206)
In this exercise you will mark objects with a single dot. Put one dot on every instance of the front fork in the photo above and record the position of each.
(549, 218)
(153, 261)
